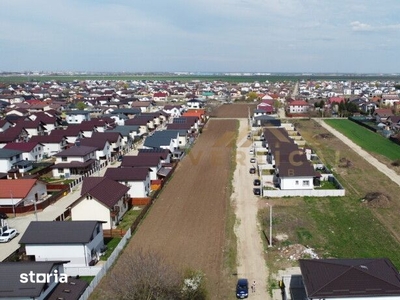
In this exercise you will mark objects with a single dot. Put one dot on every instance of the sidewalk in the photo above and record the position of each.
(50, 213)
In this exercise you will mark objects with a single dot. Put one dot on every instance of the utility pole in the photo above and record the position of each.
(12, 201)
(270, 225)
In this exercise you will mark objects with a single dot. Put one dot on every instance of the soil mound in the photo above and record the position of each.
(376, 199)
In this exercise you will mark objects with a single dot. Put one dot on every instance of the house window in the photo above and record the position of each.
(306, 182)
(297, 182)
(60, 170)
(64, 158)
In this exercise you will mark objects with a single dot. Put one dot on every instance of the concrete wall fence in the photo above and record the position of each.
(103, 270)
(303, 193)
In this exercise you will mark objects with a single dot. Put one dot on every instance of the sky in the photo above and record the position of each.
(343, 36)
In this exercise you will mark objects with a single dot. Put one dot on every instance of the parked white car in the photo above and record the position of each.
(8, 235)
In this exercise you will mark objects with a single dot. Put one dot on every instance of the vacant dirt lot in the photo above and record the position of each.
(237, 110)
(187, 221)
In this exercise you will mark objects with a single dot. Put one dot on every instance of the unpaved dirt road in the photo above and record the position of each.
(364, 154)
(251, 262)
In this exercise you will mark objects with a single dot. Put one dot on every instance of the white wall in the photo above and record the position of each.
(296, 183)
(77, 119)
(74, 253)
(91, 209)
(138, 189)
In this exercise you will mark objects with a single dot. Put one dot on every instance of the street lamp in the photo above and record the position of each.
(270, 225)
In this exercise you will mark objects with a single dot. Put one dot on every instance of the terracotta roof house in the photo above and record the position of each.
(382, 114)
(136, 179)
(76, 160)
(78, 242)
(267, 106)
(12, 286)
(21, 192)
(359, 278)
(101, 199)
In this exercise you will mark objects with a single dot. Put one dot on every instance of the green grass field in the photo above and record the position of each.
(366, 139)
(186, 78)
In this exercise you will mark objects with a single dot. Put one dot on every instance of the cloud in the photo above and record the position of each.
(358, 26)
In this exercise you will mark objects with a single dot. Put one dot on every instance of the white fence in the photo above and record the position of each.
(87, 174)
(304, 193)
(82, 271)
(96, 280)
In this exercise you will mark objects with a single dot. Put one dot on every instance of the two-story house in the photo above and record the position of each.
(74, 161)
(79, 242)
(101, 199)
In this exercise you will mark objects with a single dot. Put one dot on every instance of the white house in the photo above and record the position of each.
(137, 179)
(31, 151)
(52, 144)
(8, 158)
(194, 104)
(298, 106)
(79, 242)
(21, 192)
(101, 199)
(144, 161)
(74, 160)
(77, 116)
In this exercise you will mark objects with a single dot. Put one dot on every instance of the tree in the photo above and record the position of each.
(80, 105)
(252, 96)
(147, 275)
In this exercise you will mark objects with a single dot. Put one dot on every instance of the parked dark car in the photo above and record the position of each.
(252, 171)
(257, 182)
(257, 191)
(242, 288)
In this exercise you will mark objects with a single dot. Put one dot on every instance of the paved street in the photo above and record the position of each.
(50, 213)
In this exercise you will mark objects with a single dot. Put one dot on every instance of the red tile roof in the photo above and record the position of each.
(16, 188)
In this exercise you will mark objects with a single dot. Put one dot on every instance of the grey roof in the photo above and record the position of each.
(125, 130)
(59, 232)
(161, 138)
(7, 153)
(72, 290)
(341, 278)
(10, 285)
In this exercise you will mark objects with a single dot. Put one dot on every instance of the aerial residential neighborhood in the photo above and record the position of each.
(88, 166)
